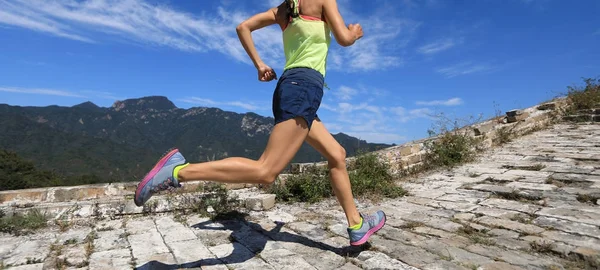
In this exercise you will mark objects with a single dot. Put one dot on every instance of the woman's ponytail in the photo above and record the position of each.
(291, 8)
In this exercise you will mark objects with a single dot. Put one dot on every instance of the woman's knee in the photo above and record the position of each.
(338, 158)
(267, 175)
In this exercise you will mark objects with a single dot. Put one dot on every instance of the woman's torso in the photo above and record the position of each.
(306, 38)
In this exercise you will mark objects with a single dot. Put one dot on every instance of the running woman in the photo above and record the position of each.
(306, 29)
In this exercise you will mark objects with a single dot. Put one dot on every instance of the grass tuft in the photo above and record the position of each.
(19, 224)
(591, 198)
(452, 146)
(583, 98)
(369, 176)
(542, 246)
(411, 225)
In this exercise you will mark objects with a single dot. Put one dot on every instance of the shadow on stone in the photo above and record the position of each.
(235, 222)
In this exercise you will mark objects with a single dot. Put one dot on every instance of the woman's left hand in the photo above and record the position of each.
(266, 73)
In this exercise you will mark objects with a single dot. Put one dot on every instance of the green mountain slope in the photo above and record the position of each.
(120, 143)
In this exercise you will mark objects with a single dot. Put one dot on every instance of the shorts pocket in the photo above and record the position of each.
(293, 96)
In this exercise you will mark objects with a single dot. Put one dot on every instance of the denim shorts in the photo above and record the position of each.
(298, 94)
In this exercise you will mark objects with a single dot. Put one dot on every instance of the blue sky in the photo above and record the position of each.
(417, 58)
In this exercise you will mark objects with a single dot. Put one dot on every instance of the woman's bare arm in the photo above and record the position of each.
(255, 22)
(345, 36)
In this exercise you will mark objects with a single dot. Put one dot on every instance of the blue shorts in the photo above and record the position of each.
(298, 94)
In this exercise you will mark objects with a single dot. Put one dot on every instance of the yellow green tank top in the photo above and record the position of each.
(306, 42)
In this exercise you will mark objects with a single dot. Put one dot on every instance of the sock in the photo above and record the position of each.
(357, 226)
(177, 169)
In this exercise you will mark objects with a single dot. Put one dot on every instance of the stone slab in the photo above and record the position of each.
(495, 212)
(511, 205)
(32, 250)
(493, 188)
(110, 259)
(285, 259)
(512, 257)
(260, 202)
(109, 240)
(39, 266)
(145, 245)
(532, 186)
(411, 255)
(511, 225)
(568, 226)
(192, 253)
(172, 231)
(575, 215)
(378, 260)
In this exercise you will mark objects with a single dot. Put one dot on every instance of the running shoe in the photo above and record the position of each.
(371, 224)
(159, 178)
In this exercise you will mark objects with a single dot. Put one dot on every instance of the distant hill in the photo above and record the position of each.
(122, 142)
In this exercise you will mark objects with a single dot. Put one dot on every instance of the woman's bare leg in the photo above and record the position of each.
(320, 139)
(285, 140)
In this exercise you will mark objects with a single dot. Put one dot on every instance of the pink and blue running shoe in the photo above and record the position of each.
(159, 178)
(371, 224)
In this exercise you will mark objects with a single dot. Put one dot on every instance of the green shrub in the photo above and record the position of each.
(583, 98)
(368, 177)
(18, 224)
(450, 149)
(311, 186)
(451, 146)
(504, 135)
(214, 195)
(371, 176)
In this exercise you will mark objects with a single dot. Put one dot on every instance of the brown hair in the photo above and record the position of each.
(291, 6)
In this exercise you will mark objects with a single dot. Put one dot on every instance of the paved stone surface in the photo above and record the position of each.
(530, 204)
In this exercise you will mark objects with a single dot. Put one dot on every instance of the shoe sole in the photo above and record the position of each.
(370, 232)
(161, 162)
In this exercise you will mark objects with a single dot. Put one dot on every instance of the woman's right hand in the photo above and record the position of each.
(356, 30)
(265, 73)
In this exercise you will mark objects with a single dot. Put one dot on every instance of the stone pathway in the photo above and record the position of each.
(531, 204)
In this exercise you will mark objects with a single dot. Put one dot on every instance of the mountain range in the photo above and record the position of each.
(121, 142)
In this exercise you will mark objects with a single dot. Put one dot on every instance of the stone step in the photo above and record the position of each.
(547, 106)
(579, 118)
(517, 118)
(250, 198)
(589, 111)
(86, 192)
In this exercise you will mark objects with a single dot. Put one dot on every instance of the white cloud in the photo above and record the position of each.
(402, 115)
(438, 46)
(371, 122)
(449, 102)
(40, 25)
(345, 92)
(344, 107)
(40, 91)
(146, 23)
(421, 113)
(61, 93)
(209, 102)
(386, 36)
(139, 22)
(464, 68)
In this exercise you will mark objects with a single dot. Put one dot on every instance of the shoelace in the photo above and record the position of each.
(370, 218)
(165, 185)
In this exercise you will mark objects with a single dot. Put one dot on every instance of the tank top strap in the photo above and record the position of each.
(296, 7)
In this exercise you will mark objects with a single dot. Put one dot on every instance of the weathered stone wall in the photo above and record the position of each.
(516, 122)
(399, 157)
(24, 198)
